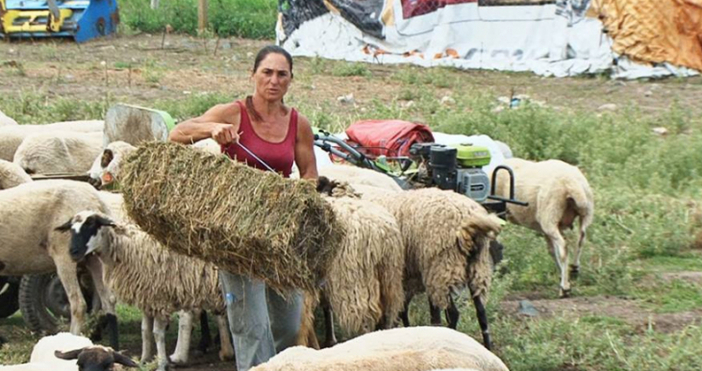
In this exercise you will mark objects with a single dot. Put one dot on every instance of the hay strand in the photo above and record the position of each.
(244, 220)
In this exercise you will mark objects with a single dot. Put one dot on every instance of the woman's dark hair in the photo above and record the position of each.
(262, 54)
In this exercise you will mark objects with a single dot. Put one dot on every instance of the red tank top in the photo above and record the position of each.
(279, 156)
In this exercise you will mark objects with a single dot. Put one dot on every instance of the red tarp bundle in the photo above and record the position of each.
(388, 137)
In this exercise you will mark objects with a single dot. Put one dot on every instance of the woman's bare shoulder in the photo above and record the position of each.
(224, 112)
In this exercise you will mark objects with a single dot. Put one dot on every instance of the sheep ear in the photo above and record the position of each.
(105, 222)
(64, 227)
(124, 360)
(71, 354)
(322, 183)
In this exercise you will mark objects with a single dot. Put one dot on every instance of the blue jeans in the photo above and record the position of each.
(261, 321)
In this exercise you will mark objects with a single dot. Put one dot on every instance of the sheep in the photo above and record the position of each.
(106, 167)
(67, 152)
(400, 349)
(364, 281)
(28, 215)
(356, 175)
(446, 236)
(141, 273)
(5, 120)
(11, 175)
(557, 193)
(68, 352)
(12, 136)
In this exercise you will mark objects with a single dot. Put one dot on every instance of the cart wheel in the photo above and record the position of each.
(44, 303)
(9, 296)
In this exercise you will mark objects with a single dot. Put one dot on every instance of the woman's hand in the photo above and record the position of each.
(225, 134)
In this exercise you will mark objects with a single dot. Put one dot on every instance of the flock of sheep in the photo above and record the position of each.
(400, 243)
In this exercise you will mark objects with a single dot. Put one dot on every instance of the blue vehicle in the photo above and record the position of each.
(80, 20)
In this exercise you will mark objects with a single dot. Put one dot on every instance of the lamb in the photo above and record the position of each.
(28, 215)
(68, 352)
(12, 136)
(66, 152)
(401, 349)
(557, 193)
(11, 175)
(144, 274)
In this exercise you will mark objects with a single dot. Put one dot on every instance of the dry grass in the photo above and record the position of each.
(247, 221)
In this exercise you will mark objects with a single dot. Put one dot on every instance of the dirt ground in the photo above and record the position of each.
(145, 68)
(137, 69)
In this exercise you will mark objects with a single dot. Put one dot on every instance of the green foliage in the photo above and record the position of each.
(243, 18)
(351, 69)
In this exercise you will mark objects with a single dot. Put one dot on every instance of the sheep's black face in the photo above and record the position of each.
(95, 360)
(84, 228)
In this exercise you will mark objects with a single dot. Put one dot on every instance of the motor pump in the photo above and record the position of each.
(455, 167)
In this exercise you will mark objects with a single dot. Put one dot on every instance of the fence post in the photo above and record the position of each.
(154, 4)
(202, 15)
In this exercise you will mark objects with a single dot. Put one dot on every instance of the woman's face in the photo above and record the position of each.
(273, 77)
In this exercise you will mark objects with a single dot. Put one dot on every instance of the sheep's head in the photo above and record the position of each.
(87, 233)
(106, 167)
(96, 358)
(334, 188)
(12, 175)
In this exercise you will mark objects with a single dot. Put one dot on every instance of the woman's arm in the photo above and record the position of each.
(304, 150)
(219, 123)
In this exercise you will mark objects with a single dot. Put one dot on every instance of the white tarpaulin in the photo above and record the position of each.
(552, 39)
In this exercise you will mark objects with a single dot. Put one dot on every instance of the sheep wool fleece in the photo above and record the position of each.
(261, 321)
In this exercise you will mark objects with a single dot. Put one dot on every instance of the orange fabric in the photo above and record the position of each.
(654, 30)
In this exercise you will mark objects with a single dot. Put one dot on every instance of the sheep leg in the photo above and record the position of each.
(67, 272)
(160, 323)
(557, 246)
(330, 336)
(226, 350)
(434, 314)
(483, 321)
(147, 338)
(185, 330)
(452, 314)
(575, 267)
(107, 300)
(205, 335)
(404, 315)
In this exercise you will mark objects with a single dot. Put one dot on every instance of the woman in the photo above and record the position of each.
(262, 322)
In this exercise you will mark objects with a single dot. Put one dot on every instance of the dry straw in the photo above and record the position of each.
(244, 220)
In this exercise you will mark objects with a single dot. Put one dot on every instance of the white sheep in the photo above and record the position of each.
(557, 194)
(66, 152)
(144, 274)
(28, 215)
(68, 352)
(11, 175)
(12, 136)
(401, 349)
(5, 120)
(446, 236)
(357, 175)
(364, 281)
(106, 167)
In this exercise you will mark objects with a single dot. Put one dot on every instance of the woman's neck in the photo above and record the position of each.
(268, 109)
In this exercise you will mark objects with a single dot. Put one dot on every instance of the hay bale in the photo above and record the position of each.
(241, 219)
